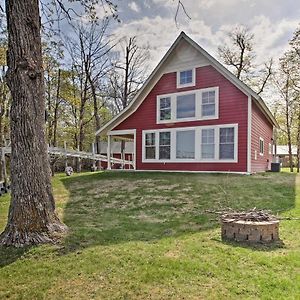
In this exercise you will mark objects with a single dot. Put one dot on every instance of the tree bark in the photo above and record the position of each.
(32, 218)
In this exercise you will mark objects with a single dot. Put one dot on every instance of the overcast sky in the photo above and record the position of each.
(152, 21)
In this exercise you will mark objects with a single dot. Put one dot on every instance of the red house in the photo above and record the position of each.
(192, 114)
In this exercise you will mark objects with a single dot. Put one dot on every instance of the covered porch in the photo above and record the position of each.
(120, 145)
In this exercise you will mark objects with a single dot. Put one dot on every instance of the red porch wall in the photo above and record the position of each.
(232, 109)
(261, 127)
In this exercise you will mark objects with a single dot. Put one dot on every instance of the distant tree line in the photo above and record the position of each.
(279, 80)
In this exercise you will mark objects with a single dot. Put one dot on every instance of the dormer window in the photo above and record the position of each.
(186, 78)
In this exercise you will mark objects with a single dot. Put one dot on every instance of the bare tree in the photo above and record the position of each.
(239, 56)
(128, 73)
(89, 48)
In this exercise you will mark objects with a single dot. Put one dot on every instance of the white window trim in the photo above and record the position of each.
(198, 135)
(198, 106)
(261, 153)
(193, 83)
(216, 139)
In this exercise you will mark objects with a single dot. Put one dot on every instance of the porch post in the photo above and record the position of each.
(108, 152)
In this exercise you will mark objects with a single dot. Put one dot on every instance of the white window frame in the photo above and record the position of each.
(193, 83)
(151, 145)
(261, 140)
(160, 109)
(198, 135)
(198, 106)
(216, 133)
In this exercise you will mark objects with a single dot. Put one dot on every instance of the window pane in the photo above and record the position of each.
(164, 145)
(226, 151)
(208, 97)
(185, 144)
(227, 135)
(164, 152)
(150, 139)
(227, 143)
(165, 114)
(208, 143)
(164, 138)
(165, 102)
(208, 151)
(208, 110)
(186, 106)
(150, 152)
(186, 77)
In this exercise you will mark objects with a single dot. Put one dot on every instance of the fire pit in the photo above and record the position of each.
(253, 226)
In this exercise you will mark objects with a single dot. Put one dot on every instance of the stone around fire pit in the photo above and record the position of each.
(250, 227)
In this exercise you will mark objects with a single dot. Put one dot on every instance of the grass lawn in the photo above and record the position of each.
(147, 236)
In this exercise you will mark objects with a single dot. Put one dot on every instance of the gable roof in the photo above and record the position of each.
(153, 78)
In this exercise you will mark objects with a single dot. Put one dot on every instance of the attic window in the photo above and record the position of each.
(186, 78)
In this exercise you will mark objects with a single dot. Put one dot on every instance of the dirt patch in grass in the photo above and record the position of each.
(143, 217)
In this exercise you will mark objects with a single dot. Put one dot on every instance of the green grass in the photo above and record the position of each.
(148, 236)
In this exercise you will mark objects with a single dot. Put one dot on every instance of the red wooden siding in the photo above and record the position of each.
(232, 109)
(261, 127)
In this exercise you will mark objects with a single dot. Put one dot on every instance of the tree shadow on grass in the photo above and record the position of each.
(116, 207)
(9, 255)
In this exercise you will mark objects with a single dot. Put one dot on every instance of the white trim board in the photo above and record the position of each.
(177, 171)
(249, 134)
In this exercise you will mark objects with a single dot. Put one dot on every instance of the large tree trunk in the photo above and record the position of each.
(32, 218)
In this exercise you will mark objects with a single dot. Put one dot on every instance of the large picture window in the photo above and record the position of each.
(185, 144)
(150, 145)
(164, 145)
(226, 143)
(186, 106)
(208, 143)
